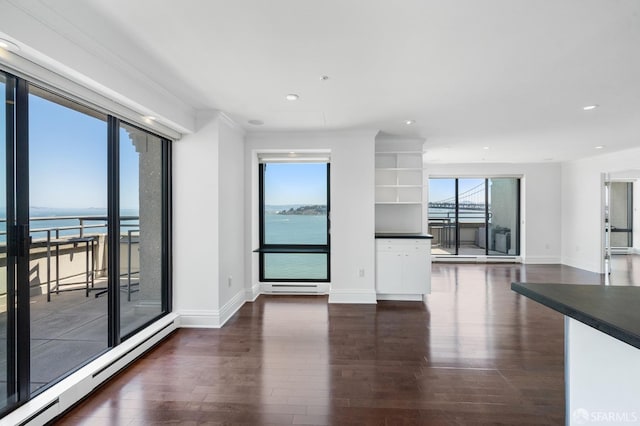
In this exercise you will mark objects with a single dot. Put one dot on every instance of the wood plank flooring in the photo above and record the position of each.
(476, 353)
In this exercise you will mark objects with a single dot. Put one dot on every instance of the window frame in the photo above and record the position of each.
(265, 248)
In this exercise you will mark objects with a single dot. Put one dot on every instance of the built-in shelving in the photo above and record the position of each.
(399, 186)
(399, 177)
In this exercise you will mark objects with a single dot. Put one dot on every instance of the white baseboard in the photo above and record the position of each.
(252, 294)
(356, 296)
(541, 260)
(214, 318)
(401, 297)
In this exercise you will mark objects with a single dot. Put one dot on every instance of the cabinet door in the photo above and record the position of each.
(389, 272)
(415, 272)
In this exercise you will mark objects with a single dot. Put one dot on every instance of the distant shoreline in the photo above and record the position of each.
(315, 210)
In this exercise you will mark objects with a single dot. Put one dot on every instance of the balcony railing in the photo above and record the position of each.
(76, 247)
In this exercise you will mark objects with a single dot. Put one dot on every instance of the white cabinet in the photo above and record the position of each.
(403, 268)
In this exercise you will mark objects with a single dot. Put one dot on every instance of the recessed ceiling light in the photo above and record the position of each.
(324, 77)
(292, 97)
(598, 147)
(485, 147)
(256, 122)
(590, 107)
(8, 45)
(409, 122)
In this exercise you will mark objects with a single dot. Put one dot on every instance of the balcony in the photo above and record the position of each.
(68, 297)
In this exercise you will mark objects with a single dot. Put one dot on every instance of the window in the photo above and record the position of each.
(84, 235)
(474, 216)
(294, 221)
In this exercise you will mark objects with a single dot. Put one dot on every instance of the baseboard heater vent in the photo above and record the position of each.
(293, 289)
(476, 259)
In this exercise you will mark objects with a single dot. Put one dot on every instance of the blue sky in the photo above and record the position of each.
(68, 159)
(441, 189)
(295, 183)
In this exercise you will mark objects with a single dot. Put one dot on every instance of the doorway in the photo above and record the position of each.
(474, 216)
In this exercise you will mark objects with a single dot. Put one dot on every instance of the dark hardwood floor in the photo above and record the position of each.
(476, 353)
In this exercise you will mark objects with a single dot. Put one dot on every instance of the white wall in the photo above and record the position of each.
(582, 206)
(540, 202)
(231, 216)
(352, 206)
(208, 231)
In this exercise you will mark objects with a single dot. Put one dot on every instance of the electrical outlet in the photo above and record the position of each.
(230, 280)
(361, 272)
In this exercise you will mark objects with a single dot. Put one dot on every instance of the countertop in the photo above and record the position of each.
(610, 309)
(409, 236)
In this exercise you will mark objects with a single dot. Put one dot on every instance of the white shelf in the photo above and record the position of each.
(399, 191)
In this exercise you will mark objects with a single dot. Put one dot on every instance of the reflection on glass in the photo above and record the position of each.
(472, 217)
(621, 206)
(68, 199)
(7, 338)
(442, 215)
(503, 216)
(295, 213)
(140, 228)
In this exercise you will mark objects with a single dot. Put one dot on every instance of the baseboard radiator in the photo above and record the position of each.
(294, 288)
(61, 397)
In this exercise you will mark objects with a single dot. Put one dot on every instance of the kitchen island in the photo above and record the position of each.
(602, 349)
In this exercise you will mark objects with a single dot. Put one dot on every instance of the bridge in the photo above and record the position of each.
(471, 199)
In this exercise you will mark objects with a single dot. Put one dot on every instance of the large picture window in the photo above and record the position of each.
(294, 221)
(84, 235)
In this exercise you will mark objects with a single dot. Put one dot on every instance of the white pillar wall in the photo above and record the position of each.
(208, 224)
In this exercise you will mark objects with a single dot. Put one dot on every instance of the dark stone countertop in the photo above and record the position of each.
(613, 310)
(408, 236)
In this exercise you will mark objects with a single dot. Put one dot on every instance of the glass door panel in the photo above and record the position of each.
(442, 216)
(7, 257)
(621, 209)
(141, 225)
(503, 216)
(67, 215)
(472, 217)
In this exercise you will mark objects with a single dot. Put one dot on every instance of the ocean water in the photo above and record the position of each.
(295, 229)
(55, 219)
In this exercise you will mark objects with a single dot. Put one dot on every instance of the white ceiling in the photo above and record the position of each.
(510, 75)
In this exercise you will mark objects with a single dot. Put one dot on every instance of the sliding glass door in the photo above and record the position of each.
(474, 216)
(7, 251)
(84, 235)
(67, 221)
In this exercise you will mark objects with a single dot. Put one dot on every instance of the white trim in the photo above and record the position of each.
(251, 294)
(402, 297)
(224, 117)
(231, 307)
(214, 318)
(357, 296)
(541, 260)
(79, 384)
(90, 95)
